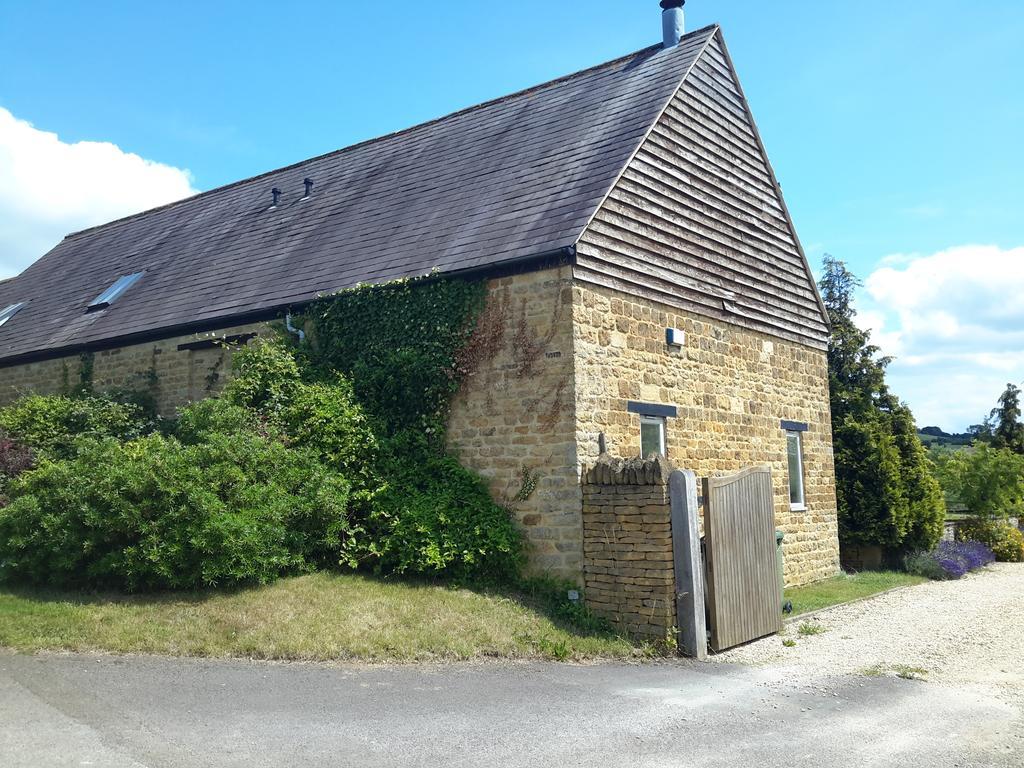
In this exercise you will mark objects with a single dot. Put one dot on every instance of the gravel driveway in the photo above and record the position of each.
(966, 632)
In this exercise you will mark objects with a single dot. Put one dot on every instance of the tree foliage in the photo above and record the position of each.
(1006, 428)
(988, 481)
(886, 492)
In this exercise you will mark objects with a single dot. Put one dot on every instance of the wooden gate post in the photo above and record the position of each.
(689, 572)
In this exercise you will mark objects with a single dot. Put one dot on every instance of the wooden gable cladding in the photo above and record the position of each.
(697, 219)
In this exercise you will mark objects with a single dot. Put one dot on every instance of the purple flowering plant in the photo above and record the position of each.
(951, 560)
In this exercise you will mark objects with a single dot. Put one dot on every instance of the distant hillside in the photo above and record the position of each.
(935, 436)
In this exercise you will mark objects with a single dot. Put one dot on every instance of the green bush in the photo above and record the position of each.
(925, 564)
(265, 374)
(437, 518)
(869, 484)
(1005, 540)
(50, 424)
(323, 418)
(200, 421)
(988, 481)
(326, 420)
(156, 514)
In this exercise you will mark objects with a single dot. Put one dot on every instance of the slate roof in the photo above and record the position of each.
(511, 179)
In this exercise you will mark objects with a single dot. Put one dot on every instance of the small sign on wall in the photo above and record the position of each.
(675, 337)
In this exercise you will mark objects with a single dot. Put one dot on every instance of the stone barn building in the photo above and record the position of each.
(643, 269)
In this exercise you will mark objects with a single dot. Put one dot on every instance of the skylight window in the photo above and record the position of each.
(10, 312)
(113, 293)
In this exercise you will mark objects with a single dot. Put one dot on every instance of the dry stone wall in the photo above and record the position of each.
(628, 570)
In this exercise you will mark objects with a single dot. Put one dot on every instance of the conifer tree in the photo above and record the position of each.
(885, 489)
(1007, 430)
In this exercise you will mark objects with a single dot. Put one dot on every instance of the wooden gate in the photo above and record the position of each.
(744, 594)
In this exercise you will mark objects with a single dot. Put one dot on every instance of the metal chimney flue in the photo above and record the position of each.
(673, 25)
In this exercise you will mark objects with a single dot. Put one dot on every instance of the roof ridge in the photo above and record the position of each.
(383, 137)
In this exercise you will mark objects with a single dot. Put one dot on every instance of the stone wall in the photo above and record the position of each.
(627, 546)
(732, 388)
(176, 375)
(515, 411)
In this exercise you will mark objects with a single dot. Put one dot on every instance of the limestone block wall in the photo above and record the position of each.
(515, 411)
(732, 388)
(628, 570)
(180, 369)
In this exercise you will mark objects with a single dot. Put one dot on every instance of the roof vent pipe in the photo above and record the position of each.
(309, 188)
(673, 25)
(276, 193)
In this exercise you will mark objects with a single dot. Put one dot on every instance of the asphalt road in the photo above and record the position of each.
(115, 712)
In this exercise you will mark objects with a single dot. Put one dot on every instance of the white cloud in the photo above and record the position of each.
(955, 322)
(49, 188)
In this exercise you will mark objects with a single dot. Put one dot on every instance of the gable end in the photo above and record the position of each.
(697, 219)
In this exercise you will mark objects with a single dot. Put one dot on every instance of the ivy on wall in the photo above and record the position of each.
(402, 344)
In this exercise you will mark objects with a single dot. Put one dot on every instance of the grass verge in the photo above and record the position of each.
(318, 617)
(847, 587)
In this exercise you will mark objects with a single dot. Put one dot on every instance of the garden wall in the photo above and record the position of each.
(628, 570)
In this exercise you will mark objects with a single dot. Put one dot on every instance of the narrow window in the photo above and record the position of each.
(794, 454)
(113, 293)
(652, 435)
(10, 312)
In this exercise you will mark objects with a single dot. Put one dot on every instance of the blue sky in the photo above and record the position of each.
(895, 128)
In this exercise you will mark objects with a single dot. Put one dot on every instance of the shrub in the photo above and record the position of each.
(200, 421)
(925, 564)
(869, 485)
(949, 560)
(156, 514)
(14, 460)
(436, 518)
(50, 424)
(1005, 541)
(264, 377)
(323, 418)
(326, 420)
